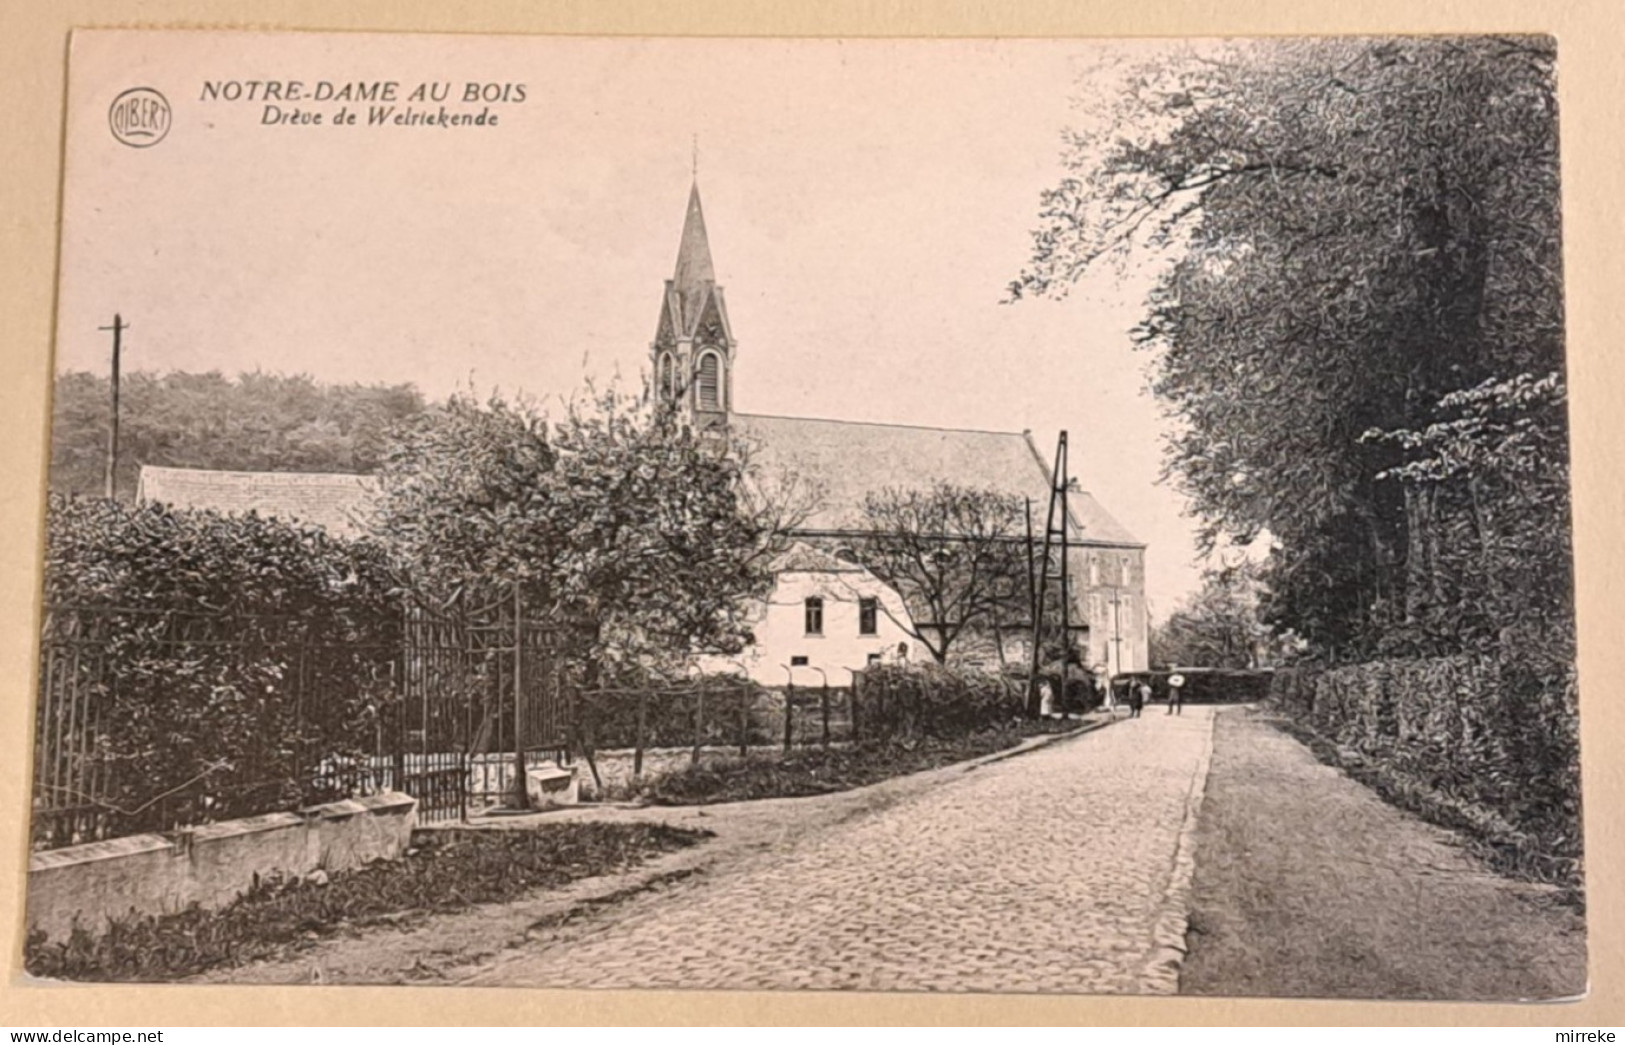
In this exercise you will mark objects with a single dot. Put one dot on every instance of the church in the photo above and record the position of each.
(692, 359)
(828, 613)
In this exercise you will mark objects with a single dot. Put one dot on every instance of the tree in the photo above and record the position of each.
(1220, 625)
(258, 422)
(1356, 230)
(635, 535)
(955, 554)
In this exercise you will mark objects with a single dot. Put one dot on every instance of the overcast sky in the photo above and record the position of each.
(867, 204)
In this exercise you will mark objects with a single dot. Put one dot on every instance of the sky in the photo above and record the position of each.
(867, 203)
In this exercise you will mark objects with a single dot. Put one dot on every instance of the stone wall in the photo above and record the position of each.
(212, 864)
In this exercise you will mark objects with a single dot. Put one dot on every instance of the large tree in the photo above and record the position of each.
(955, 554)
(638, 536)
(1354, 230)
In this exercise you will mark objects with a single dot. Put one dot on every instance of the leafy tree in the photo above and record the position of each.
(955, 554)
(258, 422)
(1220, 625)
(1354, 230)
(637, 535)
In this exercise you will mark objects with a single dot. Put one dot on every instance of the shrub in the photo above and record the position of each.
(897, 702)
(221, 659)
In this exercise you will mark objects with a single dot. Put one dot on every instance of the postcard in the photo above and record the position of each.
(1020, 516)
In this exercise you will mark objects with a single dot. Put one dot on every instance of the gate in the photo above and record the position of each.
(479, 702)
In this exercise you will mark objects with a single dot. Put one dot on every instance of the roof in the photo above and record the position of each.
(848, 460)
(335, 502)
(804, 558)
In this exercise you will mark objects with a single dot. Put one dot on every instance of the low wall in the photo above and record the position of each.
(212, 864)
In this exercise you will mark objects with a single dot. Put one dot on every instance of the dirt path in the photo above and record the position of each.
(1309, 885)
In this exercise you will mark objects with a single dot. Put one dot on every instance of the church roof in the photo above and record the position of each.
(804, 558)
(847, 460)
(336, 502)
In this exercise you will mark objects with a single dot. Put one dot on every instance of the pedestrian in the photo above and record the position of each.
(1046, 699)
(1176, 700)
(1142, 696)
(1108, 696)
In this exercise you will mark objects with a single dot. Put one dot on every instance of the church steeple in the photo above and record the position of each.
(694, 251)
(693, 349)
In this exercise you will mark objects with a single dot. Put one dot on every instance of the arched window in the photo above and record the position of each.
(666, 380)
(710, 381)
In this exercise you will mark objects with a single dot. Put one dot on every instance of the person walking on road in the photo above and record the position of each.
(1176, 701)
(1139, 694)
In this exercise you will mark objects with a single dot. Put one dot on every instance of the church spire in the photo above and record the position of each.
(694, 252)
(693, 349)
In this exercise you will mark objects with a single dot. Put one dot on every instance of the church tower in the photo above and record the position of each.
(692, 355)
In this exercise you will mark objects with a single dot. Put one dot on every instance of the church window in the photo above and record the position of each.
(667, 377)
(710, 382)
(815, 616)
(868, 616)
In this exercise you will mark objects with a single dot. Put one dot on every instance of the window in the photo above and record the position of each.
(867, 613)
(666, 379)
(815, 616)
(1094, 572)
(1128, 572)
(798, 662)
(710, 382)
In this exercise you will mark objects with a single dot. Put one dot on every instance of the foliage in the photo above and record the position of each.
(257, 422)
(1218, 626)
(903, 703)
(222, 658)
(953, 553)
(448, 871)
(1356, 230)
(1488, 486)
(618, 522)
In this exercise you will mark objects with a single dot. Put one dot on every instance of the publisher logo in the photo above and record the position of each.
(139, 117)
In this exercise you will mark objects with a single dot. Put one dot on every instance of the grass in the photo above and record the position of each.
(1498, 844)
(1309, 885)
(813, 771)
(446, 871)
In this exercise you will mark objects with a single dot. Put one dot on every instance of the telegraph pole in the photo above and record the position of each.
(118, 328)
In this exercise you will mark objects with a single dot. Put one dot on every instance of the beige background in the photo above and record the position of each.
(33, 36)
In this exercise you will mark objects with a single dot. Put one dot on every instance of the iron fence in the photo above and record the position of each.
(150, 720)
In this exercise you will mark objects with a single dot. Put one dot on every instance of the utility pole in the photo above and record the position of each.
(1056, 535)
(1117, 628)
(118, 328)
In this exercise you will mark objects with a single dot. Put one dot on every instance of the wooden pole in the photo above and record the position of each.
(789, 721)
(521, 793)
(639, 738)
(118, 329)
(823, 708)
(699, 724)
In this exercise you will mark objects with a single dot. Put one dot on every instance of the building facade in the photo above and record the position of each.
(692, 357)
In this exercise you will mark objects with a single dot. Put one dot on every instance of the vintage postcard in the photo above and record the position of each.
(1063, 516)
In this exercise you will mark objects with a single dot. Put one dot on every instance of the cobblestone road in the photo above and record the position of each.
(1044, 872)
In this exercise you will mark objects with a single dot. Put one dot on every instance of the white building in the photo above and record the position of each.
(825, 618)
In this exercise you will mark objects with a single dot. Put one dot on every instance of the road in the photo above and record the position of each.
(1060, 870)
